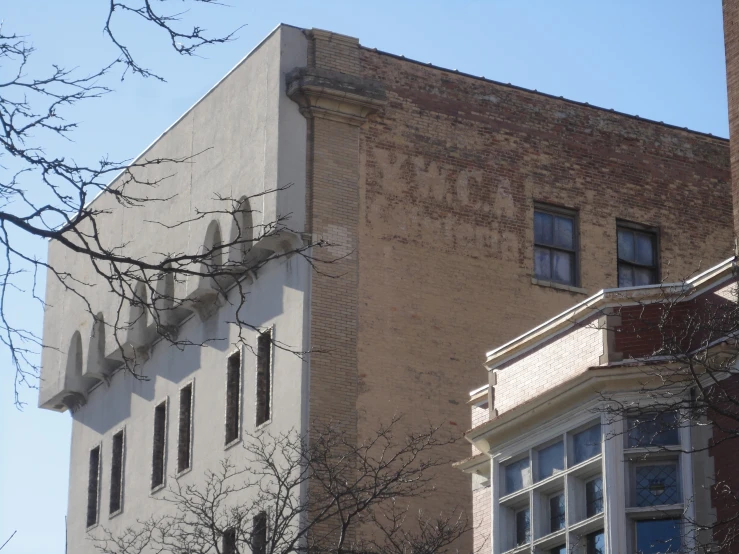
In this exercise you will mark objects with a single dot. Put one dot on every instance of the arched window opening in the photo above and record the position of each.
(164, 300)
(242, 233)
(137, 320)
(96, 348)
(212, 248)
(74, 359)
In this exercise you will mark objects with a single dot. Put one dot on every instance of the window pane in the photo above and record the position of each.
(562, 267)
(564, 230)
(658, 536)
(551, 460)
(626, 245)
(643, 276)
(523, 526)
(542, 263)
(625, 275)
(517, 476)
(543, 231)
(594, 497)
(654, 429)
(596, 543)
(656, 485)
(559, 550)
(557, 513)
(586, 444)
(645, 249)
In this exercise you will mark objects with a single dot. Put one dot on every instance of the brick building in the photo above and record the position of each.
(464, 211)
(587, 437)
(593, 433)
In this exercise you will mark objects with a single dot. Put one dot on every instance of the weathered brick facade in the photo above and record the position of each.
(447, 176)
(725, 453)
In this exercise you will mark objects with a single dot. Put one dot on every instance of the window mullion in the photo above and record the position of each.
(614, 505)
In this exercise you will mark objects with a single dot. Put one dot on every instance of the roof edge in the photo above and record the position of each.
(547, 95)
(604, 298)
(192, 107)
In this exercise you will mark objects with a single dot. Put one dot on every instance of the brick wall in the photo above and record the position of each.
(549, 365)
(674, 327)
(446, 182)
(449, 175)
(725, 452)
(731, 43)
(481, 510)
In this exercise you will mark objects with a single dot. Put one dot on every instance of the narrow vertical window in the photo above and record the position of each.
(596, 543)
(556, 512)
(523, 527)
(184, 433)
(555, 245)
(233, 396)
(93, 481)
(259, 534)
(229, 542)
(160, 434)
(264, 376)
(594, 497)
(116, 473)
(637, 256)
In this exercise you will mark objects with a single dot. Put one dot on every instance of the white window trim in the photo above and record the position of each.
(121, 429)
(617, 522)
(191, 382)
(239, 409)
(271, 371)
(154, 490)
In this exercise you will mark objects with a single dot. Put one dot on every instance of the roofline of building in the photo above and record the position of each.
(547, 95)
(191, 108)
(605, 298)
(397, 56)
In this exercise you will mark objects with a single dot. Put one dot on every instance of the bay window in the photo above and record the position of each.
(592, 486)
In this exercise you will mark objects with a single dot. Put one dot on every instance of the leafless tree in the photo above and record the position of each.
(47, 195)
(685, 347)
(332, 495)
(8, 540)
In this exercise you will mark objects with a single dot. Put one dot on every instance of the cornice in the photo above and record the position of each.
(326, 94)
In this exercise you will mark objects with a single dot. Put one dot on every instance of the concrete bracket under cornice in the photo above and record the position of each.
(333, 95)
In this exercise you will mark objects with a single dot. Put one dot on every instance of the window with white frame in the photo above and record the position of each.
(655, 505)
(551, 497)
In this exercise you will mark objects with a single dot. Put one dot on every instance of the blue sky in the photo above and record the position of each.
(662, 59)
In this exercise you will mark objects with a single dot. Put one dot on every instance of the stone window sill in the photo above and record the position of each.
(558, 286)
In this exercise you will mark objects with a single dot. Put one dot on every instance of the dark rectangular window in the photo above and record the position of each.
(555, 245)
(229, 542)
(160, 437)
(594, 497)
(657, 484)
(517, 476)
(184, 429)
(586, 444)
(596, 543)
(523, 527)
(116, 473)
(556, 512)
(259, 534)
(233, 397)
(264, 377)
(93, 481)
(551, 460)
(657, 536)
(637, 256)
(654, 429)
